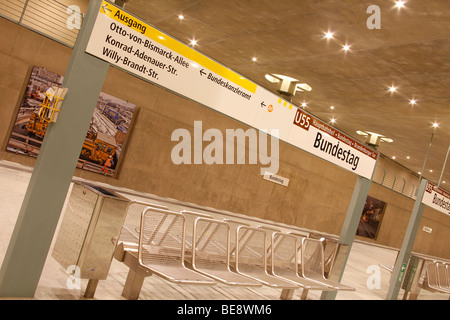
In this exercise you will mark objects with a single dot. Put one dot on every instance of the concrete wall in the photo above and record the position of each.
(318, 193)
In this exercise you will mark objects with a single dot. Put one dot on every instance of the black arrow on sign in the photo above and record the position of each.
(202, 72)
(262, 104)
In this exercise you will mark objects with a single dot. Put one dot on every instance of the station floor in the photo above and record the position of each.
(362, 271)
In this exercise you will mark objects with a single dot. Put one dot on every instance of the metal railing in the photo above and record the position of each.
(47, 17)
(391, 181)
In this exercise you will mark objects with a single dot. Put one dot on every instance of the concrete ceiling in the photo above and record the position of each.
(411, 51)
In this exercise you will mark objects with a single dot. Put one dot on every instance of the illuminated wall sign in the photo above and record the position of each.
(436, 198)
(427, 229)
(276, 179)
(133, 45)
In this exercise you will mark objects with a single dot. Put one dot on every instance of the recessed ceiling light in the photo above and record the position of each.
(392, 89)
(408, 157)
(393, 157)
(254, 59)
(435, 125)
(431, 171)
(331, 107)
(304, 104)
(193, 42)
(399, 4)
(333, 120)
(180, 17)
(346, 47)
(328, 35)
(412, 101)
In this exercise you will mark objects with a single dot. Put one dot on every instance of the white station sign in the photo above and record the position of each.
(436, 198)
(133, 45)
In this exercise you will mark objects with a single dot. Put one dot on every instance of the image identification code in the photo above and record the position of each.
(230, 309)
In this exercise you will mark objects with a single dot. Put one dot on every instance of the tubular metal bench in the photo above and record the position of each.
(190, 217)
(193, 248)
(312, 264)
(211, 253)
(284, 262)
(251, 258)
(162, 248)
(431, 280)
(442, 275)
(330, 250)
(128, 246)
(130, 229)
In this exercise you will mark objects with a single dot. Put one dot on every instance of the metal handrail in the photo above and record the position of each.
(390, 180)
(47, 17)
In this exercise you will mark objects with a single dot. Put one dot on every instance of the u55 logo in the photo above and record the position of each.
(302, 120)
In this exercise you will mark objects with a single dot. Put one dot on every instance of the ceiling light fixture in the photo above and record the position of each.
(304, 104)
(180, 17)
(287, 85)
(193, 42)
(392, 89)
(412, 102)
(374, 139)
(346, 47)
(333, 120)
(254, 59)
(435, 125)
(331, 107)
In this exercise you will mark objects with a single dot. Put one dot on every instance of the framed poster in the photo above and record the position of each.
(371, 218)
(105, 139)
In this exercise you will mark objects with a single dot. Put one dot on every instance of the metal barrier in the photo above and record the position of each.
(391, 181)
(47, 17)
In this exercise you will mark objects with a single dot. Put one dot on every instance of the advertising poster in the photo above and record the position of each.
(105, 139)
(371, 218)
